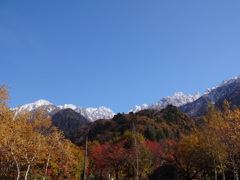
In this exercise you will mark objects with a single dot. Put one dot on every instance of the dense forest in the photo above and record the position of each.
(149, 144)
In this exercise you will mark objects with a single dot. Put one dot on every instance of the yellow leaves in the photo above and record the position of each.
(29, 141)
(4, 95)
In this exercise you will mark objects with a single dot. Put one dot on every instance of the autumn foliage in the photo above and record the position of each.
(31, 148)
(150, 144)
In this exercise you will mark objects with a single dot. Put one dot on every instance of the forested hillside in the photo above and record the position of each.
(154, 125)
(149, 144)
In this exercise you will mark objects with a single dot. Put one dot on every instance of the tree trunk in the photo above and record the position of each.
(223, 172)
(17, 164)
(234, 164)
(45, 173)
(215, 173)
(26, 174)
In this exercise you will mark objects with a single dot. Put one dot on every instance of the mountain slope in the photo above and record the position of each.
(32, 106)
(177, 100)
(92, 114)
(233, 98)
(168, 123)
(227, 90)
(68, 121)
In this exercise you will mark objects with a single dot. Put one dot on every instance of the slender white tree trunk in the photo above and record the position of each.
(17, 164)
(26, 174)
(29, 164)
(45, 173)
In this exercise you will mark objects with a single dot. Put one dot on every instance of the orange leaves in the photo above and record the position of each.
(30, 145)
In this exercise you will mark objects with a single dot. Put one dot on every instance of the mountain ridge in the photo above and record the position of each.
(92, 114)
(215, 95)
(178, 99)
(192, 105)
(195, 105)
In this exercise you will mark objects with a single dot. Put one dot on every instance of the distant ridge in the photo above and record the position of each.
(229, 90)
(195, 105)
(92, 114)
(177, 100)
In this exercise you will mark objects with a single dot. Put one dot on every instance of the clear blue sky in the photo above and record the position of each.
(116, 53)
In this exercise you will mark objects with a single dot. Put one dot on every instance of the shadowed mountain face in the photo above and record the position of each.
(68, 121)
(233, 98)
(229, 90)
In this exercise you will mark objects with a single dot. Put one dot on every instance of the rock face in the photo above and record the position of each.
(229, 90)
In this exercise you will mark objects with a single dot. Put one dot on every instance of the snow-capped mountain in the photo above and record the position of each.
(91, 114)
(217, 92)
(33, 106)
(95, 113)
(192, 105)
(138, 108)
(178, 99)
(67, 106)
(226, 90)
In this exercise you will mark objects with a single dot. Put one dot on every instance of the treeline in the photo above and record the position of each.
(32, 148)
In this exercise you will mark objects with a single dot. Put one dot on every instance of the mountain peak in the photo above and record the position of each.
(67, 106)
(42, 102)
(91, 114)
(224, 83)
(32, 106)
(178, 99)
(228, 89)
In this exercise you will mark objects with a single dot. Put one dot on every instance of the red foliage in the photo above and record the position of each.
(142, 129)
(98, 156)
(156, 151)
(106, 155)
(170, 148)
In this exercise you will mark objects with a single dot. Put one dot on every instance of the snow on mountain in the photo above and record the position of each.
(224, 83)
(177, 99)
(138, 108)
(66, 106)
(32, 106)
(212, 95)
(95, 113)
(217, 92)
(91, 114)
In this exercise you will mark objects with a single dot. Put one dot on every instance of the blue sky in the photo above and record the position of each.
(117, 54)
